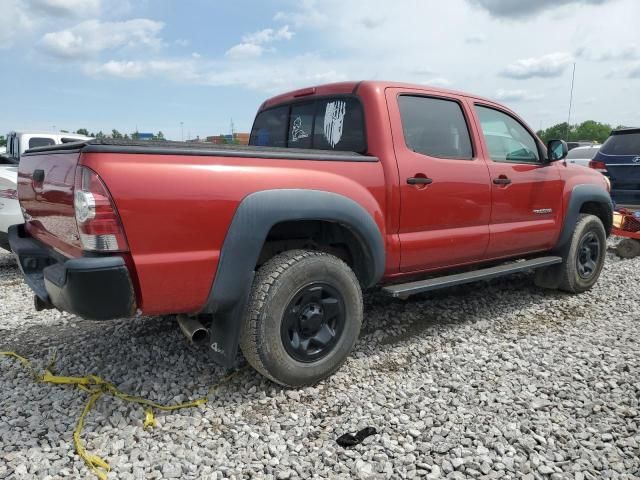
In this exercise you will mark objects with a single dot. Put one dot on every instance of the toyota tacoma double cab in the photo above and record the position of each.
(268, 247)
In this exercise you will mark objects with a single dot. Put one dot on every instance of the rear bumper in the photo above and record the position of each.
(96, 288)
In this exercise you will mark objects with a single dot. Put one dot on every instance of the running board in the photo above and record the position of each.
(403, 290)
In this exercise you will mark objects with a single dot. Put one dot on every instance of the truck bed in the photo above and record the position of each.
(109, 145)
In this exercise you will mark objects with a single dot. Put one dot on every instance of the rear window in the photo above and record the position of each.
(582, 153)
(622, 144)
(40, 142)
(335, 123)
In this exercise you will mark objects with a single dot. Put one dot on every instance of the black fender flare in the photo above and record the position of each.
(581, 194)
(252, 221)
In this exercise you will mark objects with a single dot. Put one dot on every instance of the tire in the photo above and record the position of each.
(628, 248)
(298, 299)
(582, 264)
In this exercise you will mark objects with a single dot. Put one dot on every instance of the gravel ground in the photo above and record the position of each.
(491, 380)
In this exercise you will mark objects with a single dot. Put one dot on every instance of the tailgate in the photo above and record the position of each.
(45, 189)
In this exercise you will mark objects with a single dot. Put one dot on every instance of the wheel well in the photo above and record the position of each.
(320, 235)
(601, 211)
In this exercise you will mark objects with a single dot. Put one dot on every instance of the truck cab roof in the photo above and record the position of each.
(352, 87)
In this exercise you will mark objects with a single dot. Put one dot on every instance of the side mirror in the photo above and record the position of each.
(557, 150)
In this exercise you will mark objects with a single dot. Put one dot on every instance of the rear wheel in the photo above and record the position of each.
(303, 318)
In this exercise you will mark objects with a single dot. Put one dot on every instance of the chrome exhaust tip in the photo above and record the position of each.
(195, 332)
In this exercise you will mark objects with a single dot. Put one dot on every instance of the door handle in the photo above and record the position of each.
(419, 181)
(502, 180)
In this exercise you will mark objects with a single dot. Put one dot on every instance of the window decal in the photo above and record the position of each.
(334, 121)
(296, 130)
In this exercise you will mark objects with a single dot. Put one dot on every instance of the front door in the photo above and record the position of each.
(527, 191)
(445, 193)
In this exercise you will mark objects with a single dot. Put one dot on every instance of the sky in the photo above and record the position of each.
(152, 64)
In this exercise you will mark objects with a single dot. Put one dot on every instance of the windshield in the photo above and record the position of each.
(622, 144)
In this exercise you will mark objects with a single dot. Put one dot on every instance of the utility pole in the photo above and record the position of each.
(182, 131)
(573, 77)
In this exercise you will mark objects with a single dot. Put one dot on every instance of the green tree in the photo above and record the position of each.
(135, 135)
(592, 130)
(3, 141)
(116, 134)
(588, 130)
(83, 131)
(159, 136)
(556, 131)
(99, 135)
(64, 131)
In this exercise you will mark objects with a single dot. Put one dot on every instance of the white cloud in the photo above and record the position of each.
(252, 45)
(244, 50)
(92, 37)
(546, 66)
(306, 13)
(516, 95)
(268, 35)
(475, 38)
(14, 21)
(77, 8)
(525, 8)
(620, 53)
(437, 82)
(268, 76)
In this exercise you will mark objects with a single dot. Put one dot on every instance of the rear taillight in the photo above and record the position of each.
(98, 222)
(9, 193)
(599, 166)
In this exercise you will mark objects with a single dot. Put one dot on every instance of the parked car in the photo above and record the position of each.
(582, 155)
(10, 213)
(345, 187)
(17, 144)
(619, 159)
(579, 143)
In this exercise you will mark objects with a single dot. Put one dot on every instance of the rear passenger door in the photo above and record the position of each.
(444, 184)
(527, 191)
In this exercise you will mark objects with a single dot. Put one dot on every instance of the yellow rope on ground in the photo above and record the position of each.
(96, 387)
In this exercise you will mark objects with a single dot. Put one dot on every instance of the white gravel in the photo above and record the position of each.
(492, 380)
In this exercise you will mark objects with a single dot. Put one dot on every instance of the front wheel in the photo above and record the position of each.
(585, 259)
(303, 318)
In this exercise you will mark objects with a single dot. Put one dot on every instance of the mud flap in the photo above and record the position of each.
(224, 332)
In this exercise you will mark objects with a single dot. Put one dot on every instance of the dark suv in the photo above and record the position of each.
(619, 159)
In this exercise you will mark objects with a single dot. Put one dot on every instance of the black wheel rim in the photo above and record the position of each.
(588, 255)
(313, 322)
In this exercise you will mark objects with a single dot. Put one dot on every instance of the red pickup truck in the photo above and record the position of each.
(343, 187)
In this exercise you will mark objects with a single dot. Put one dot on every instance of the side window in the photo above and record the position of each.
(270, 128)
(40, 142)
(506, 139)
(301, 125)
(435, 127)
